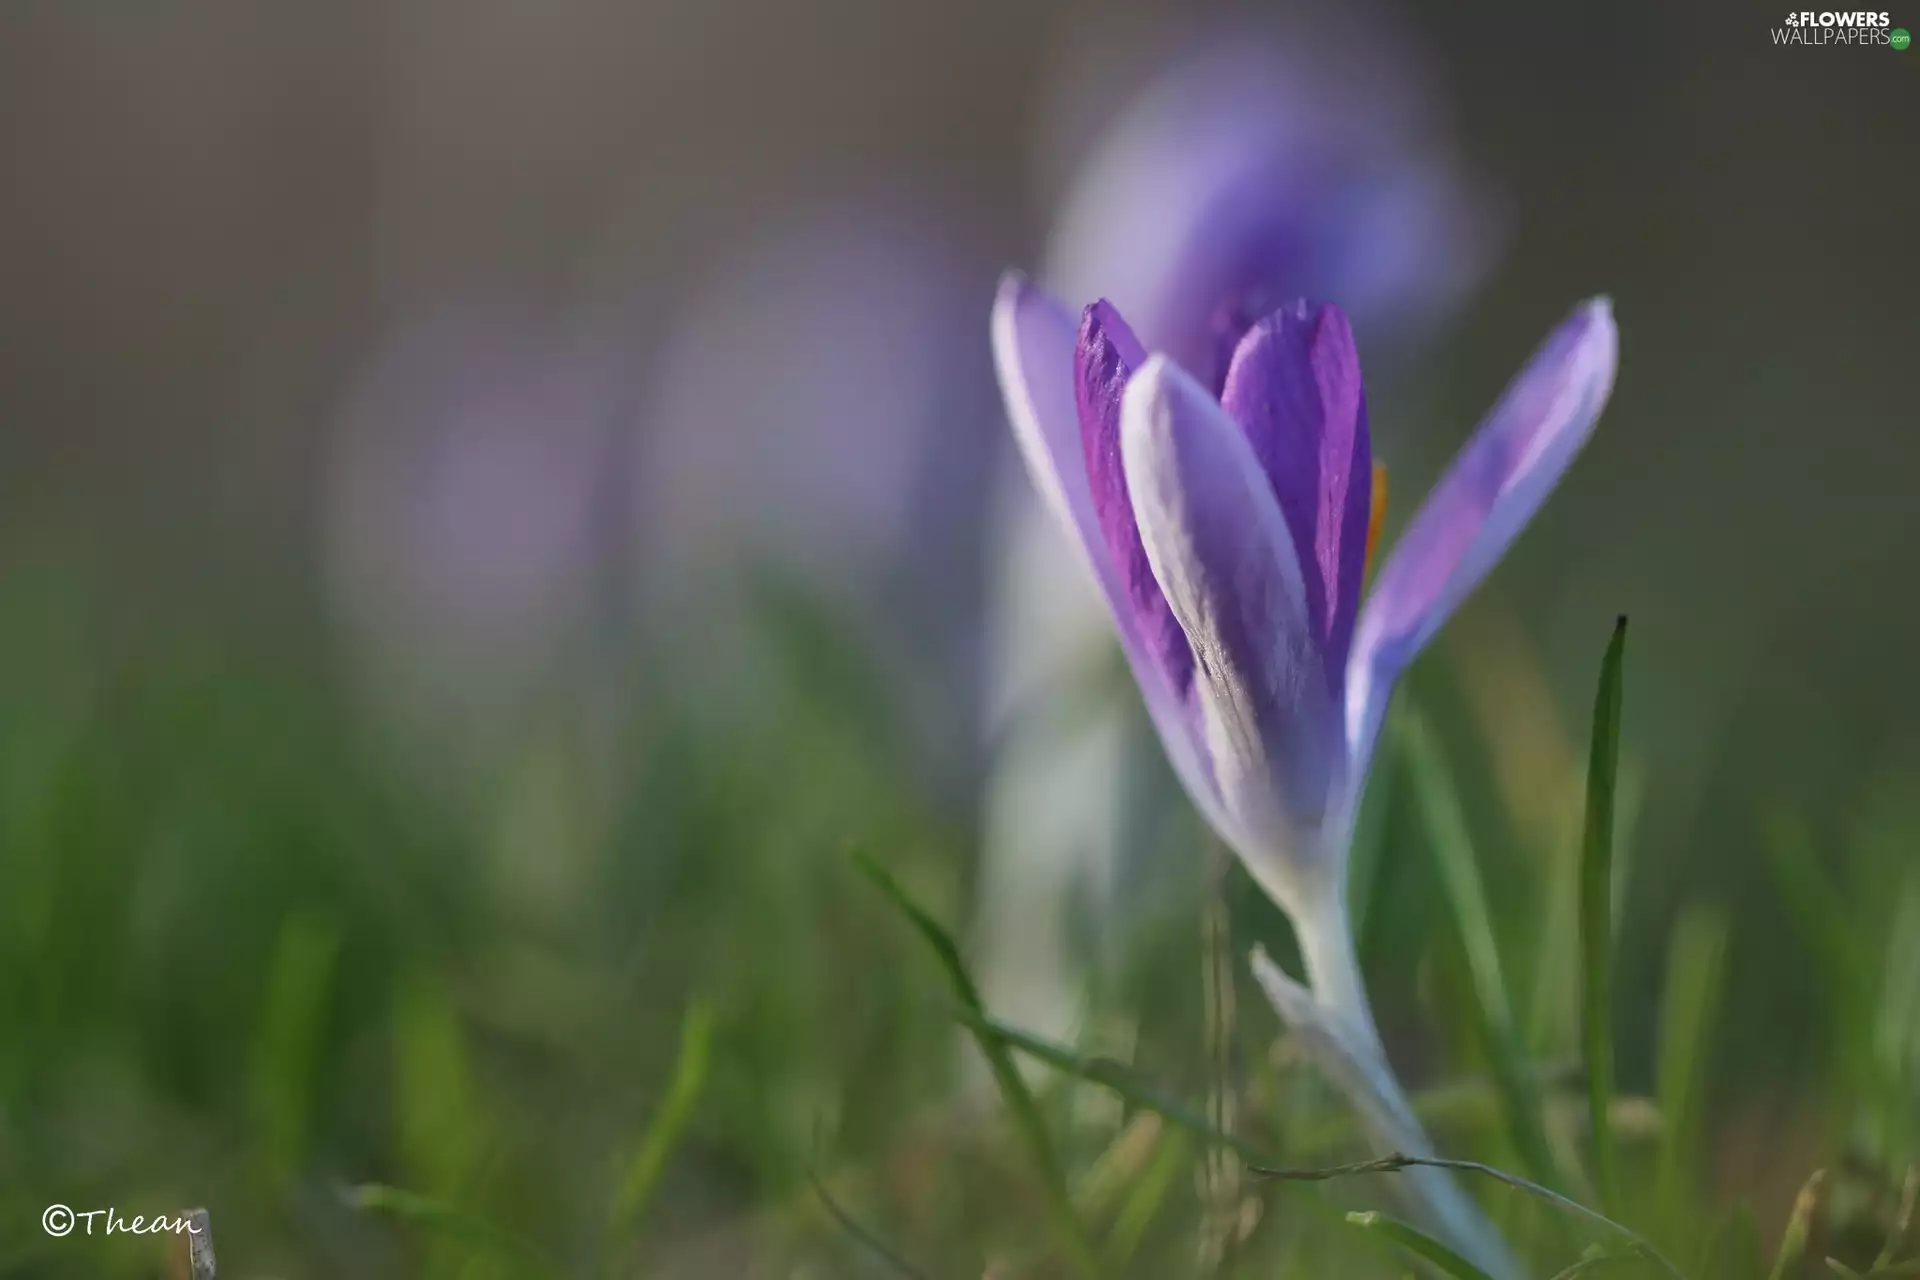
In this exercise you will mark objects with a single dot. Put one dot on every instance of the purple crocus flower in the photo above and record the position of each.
(1228, 524)
(1257, 164)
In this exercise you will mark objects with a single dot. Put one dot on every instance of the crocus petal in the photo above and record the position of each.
(1034, 344)
(1294, 387)
(1493, 487)
(1218, 544)
(1105, 359)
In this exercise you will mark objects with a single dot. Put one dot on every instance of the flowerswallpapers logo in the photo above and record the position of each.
(1808, 27)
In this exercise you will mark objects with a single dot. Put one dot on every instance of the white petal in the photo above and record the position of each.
(1219, 547)
(1033, 347)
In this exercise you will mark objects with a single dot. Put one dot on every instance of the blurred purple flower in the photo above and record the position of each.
(810, 408)
(818, 421)
(1253, 172)
(461, 514)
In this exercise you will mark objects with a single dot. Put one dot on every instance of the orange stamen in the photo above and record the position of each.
(1376, 515)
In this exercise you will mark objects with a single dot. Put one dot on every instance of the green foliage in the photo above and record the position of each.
(1689, 1009)
(1417, 1243)
(609, 1004)
(1804, 1226)
(649, 1162)
(1596, 915)
(1459, 869)
(1013, 1089)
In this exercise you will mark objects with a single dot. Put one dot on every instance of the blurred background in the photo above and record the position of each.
(496, 500)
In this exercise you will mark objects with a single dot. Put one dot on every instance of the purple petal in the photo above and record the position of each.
(1106, 358)
(1295, 389)
(1219, 545)
(1232, 320)
(1034, 353)
(1493, 488)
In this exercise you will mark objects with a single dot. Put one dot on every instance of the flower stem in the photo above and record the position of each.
(1335, 1021)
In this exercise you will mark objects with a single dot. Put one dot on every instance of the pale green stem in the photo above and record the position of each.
(1335, 1022)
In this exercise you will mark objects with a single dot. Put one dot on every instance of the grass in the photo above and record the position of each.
(1597, 914)
(616, 1005)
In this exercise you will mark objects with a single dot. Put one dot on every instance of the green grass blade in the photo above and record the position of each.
(1019, 1099)
(1820, 912)
(1894, 1036)
(1902, 1219)
(669, 1121)
(283, 1064)
(1109, 1074)
(1596, 915)
(1130, 1150)
(872, 1243)
(445, 1127)
(1801, 1226)
(1395, 1163)
(443, 1131)
(1696, 968)
(1591, 1262)
(1144, 1201)
(1549, 1025)
(1459, 869)
(1733, 1250)
(1419, 1244)
(446, 1222)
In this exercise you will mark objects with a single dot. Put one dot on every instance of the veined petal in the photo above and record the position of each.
(1489, 493)
(1034, 350)
(1294, 387)
(1219, 547)
(1105, 359)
